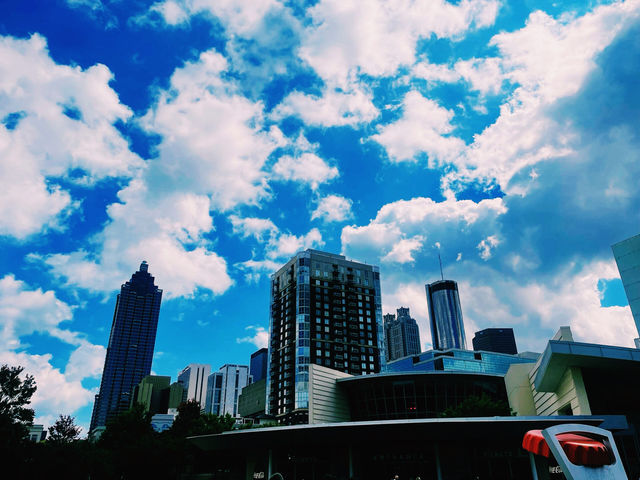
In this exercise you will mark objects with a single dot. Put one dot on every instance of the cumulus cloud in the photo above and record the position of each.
(549, 59)
(239, 17)
(423, 128)
(55, 120)
(25, 311)
(346, 40)
(253, 227)
(260, 337)
(333, 208)
(335, 107)
(286, 245)
(306, 168)
(216, 135)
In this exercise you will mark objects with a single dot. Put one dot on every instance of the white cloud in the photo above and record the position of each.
(487, 245)
(25, 311)
(549, 59)
(253, 227)
(60, 120)
(336, 107)
(286, 245)
(347, 39)
(483, 74)
(403, 251)
(421, 128)
(333, 208)
(239, 17)
(212, 157)
(260, 337)
(306, 168)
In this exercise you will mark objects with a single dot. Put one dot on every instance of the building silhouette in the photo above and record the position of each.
(157, 394)
(131, 344)
(325, 310)
(258, 365)
(499, 340)
(402, 335)
(224, 388)
(193, 379)
(445, 315)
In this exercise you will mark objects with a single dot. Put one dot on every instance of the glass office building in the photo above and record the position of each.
(457, 360)
(131, 344)
(500, 340)
(445, 315)
(325, 310)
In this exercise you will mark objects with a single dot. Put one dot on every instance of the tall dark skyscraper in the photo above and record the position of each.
(401, 334)
(499, 340)
(325, 310)
(445, 315)
(258, 365)
(130, 348)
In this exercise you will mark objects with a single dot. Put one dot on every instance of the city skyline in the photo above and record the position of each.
(217, 142)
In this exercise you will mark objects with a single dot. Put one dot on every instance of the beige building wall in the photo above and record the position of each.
(569, 393)
(518, 388)
(524, 399)
(327, 403)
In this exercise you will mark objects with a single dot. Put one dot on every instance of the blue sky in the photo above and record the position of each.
(216, 138)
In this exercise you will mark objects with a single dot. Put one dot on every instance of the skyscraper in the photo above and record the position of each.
(627, 255)
(402, 335)
(131, 344)
(499, 340)
(193, 379)
(325, 310)
(258, 365)
(224, 388)
(445, 315)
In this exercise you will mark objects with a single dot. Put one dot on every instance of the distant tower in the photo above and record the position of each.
(193, 379)
(131, 344)
(499, 340)
(445, 315)
(402, 335)
(258, 365)
(224, 388)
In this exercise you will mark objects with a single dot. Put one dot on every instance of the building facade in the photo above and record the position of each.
(224, 388)
(500, 340)
(627, 255)
(157, 394)
(445, 315)
(325, 310)
(258, 365)
(193, 379)
(130, 347)
(402, 335)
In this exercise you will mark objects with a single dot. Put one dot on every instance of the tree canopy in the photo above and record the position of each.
(15, 396)
(64, 430)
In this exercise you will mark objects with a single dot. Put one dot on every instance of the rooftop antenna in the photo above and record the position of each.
(440, 260)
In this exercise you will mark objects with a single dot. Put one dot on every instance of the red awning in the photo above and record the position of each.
(580, 450)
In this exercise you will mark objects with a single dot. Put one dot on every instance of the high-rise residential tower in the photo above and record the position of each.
(445, 315)
(193, 379)
(224, 388)
(627, 255)
(131, 344)
(258, 365)
(402, 335)
(499, 340)
(325, 310)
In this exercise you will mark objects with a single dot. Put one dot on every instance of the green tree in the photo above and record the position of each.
(64, 430)
(479, 406)
(15, 396)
